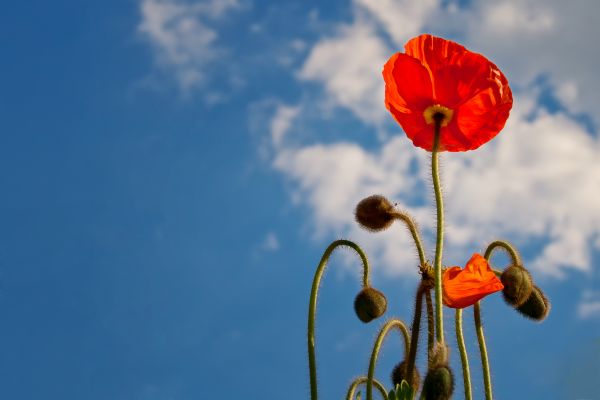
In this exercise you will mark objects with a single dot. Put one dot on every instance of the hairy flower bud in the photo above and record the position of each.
(400, 373)
(537, 305)
(439, 384)
(370, 304)
(517, 285)
(375, 213)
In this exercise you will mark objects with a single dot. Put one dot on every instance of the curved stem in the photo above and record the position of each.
(312, 307)
(464, 359)
(439, 243)
(512, 252)
(414, 231)
(487, 381)
(363, 379)
(414, 339)
(389, 325)
(430, 326)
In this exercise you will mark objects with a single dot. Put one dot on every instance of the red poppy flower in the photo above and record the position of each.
(465, 287)
(438, 76)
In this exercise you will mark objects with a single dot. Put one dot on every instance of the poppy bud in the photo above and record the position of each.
(537, 305)
(439, 384)
(517, 285)
(400, 374)
(374, 213)
(370, 304)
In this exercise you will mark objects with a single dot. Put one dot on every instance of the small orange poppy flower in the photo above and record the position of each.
(465, 287)
(438, 76)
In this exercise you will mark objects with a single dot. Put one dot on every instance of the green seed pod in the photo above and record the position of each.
(375, 213)
(400, 373)
(517, 285)
(439, 384)
(537, 305)
(370, 304)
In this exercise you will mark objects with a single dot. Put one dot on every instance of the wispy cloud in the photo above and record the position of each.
(282, 122)
(589, 306)
(270, 242)
(183, 37)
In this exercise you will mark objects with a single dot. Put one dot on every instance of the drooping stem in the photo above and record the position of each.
(430, 326)
(389, 325)
(414, 231)
(312, 307)
(512, 252)
(487, 381)
(363, 379)
(439, 243)
(415, 330)
(464, 359)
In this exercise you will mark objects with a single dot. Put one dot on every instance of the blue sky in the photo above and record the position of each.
(172, 171)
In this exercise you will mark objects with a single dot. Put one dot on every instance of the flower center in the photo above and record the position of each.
(438, 114)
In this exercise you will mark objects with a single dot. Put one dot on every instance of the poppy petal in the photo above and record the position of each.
(465, 287)
(433, 51)
(408, 84)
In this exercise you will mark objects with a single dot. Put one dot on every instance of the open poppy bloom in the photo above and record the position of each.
(437, 79)
(465, 287)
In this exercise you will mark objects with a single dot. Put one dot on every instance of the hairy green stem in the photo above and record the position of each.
(312, 307)
(464, 359)
(439, 243)
(414, 338)
(487, 381)
(430, 326)
(361, 380)
(414, 231)
(512, 252)
(389, 325)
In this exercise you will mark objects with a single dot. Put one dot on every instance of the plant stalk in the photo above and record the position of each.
(312, 307)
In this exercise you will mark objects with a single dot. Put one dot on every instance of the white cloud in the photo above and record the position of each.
(182, 37)
(536, 184)
(349, 66)
(401, 19)
(551, 37)
(589, 306)
(282, 122)
(537, 180)
(510, 18)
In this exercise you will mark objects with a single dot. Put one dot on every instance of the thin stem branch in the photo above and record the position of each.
(389, 325)
(487, 380)
(361, 380)
(415, 330)
(464, 359)
(312, 307)
(430, 326)
(439, 243)
(414, 231)
(512, 252)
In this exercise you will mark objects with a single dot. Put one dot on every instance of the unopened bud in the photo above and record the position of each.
(400, 373)
(537, 305)
(370, 304)
(375, 213)
(439, 384)
(517, 285)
